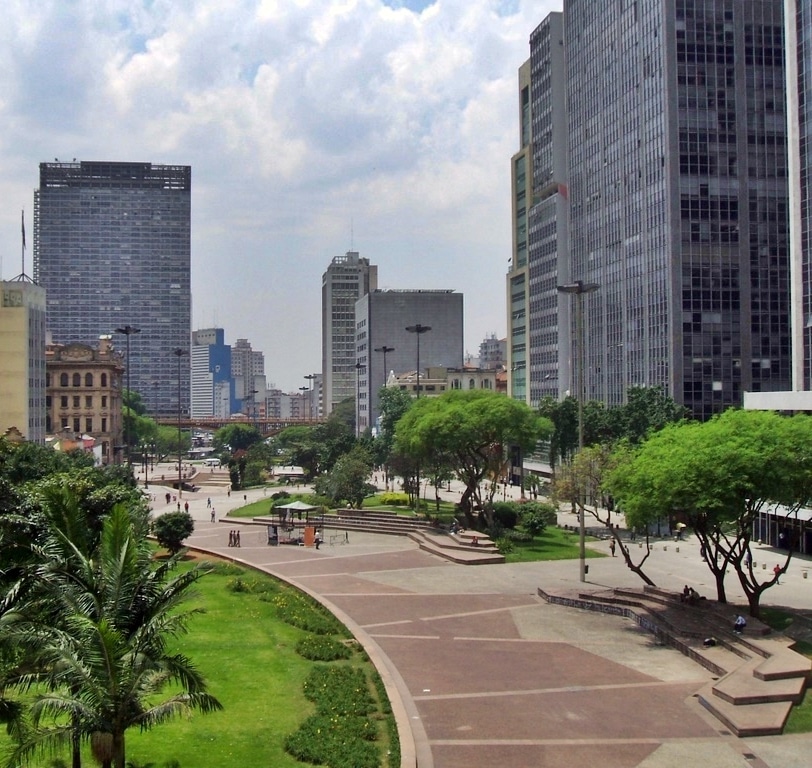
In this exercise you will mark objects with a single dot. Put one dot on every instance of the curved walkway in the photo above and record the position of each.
(490, 675)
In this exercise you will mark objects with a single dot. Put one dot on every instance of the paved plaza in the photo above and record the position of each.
(487, 674)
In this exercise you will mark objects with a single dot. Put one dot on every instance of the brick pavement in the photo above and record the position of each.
(488, 675)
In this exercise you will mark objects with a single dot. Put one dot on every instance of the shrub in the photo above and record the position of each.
(340, 732)
(394, 499)
(322, 648)
(537, 516)
(280, 495)
(300, 611)
(506, 513)
(172, 528)
(504, 545)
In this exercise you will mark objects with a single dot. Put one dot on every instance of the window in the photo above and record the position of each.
(104, 379)
(76, 423)
(77, 380)
(88, 379)
(88, 401)
(104, 400)
(63, 380)
(104, 424)
(471, 384)
(76, 401)
(89, 424)
(63, 401)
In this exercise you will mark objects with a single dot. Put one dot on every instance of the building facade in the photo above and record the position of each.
(382, 319)
(84, 395)
(678, 197)
(538, 320)
(213, 392)
(347, 279)
(492, 352)
(250, 384)
(22, 359)
(112, 249)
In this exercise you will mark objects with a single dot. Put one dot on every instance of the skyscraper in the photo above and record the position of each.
(382, 318)
(538, 321)
(112, 249)
(213, 391)
(346, 280)
(798, 16)
(678, 196)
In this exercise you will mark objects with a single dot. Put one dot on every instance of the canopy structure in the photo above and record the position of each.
(297, 506)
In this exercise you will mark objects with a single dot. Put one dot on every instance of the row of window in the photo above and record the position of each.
(66, 380)
(63, 401)
(76, 424)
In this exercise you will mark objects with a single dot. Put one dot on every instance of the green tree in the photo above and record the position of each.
(718, 476)
(236, 437)
(336, 436)
(474, 429)
(647, 410)
(347, 480)
(563, 440)
(300, 448)
(101, 663)
(392, 403)
(172, 529)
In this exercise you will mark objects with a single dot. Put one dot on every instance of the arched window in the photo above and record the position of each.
(455, 384)
(63, 379)
(486, 384)
(88, 379)
(77, 381)
(471, 384)
(104, 379)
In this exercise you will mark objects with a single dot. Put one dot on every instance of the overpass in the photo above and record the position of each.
(266, 426)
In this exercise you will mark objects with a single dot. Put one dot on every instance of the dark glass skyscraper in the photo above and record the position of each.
(679, 197)
(112, 248)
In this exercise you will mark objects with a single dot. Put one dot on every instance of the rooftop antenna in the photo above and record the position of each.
(22, 277)
(352, 234)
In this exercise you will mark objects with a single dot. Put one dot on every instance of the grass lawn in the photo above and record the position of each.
(553, 544)
(247, 656)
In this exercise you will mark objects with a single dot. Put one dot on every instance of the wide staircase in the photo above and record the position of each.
(211, 477)
(464, 547)
(758, 677)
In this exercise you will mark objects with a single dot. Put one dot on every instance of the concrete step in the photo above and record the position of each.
(462, 555)
(741, 688)
(784, 664)
(766, 719)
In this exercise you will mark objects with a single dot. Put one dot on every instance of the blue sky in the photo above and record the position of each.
(312, 127)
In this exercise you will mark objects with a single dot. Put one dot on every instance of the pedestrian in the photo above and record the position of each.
(236, 538)
(168, 497)
(178, 506)
(612, 547)
(777, 572)
(782, 540)
(746, 559)
(208, 502)
(186, 506)
(702, 552)
(229, 493)
(231, 538)
(318, 540)
(245, 497)
(212, 514)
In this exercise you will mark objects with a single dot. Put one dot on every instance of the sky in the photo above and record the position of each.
(313, 127)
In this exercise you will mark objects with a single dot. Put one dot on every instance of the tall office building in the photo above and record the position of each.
(212, 384)
(679, 198)
(381, 318)
(248, 372)
(798, 16)
(346, 280)
(538, 321)
(112, 249)
(22, 359)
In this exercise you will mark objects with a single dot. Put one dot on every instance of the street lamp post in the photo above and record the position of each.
(128, 330)
(305, 390)
(385, 349)
(578, 289)
(418, 330)
(179, 353)
(358, 367)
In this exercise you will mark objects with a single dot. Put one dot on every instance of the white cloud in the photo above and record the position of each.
(311, 126)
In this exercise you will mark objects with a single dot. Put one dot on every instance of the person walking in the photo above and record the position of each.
(212, 514)
(236, 538)
(612, 546)
(208, 502)
(777, 571)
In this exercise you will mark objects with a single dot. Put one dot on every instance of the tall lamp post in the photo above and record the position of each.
(418, 330)
(128, 331)
(385, 349)
(358, 367)
(305, 390)
(179, 353)
(578, 289)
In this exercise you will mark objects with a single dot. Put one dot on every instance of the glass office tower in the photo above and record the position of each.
(112, 249)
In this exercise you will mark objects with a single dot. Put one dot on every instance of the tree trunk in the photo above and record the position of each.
(76, 746)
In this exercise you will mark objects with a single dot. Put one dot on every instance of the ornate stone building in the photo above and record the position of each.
(83, 395)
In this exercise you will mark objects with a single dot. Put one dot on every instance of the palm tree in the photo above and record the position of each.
(102, 658)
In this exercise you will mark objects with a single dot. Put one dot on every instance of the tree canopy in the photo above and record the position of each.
(716, 477)
(474, 430)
